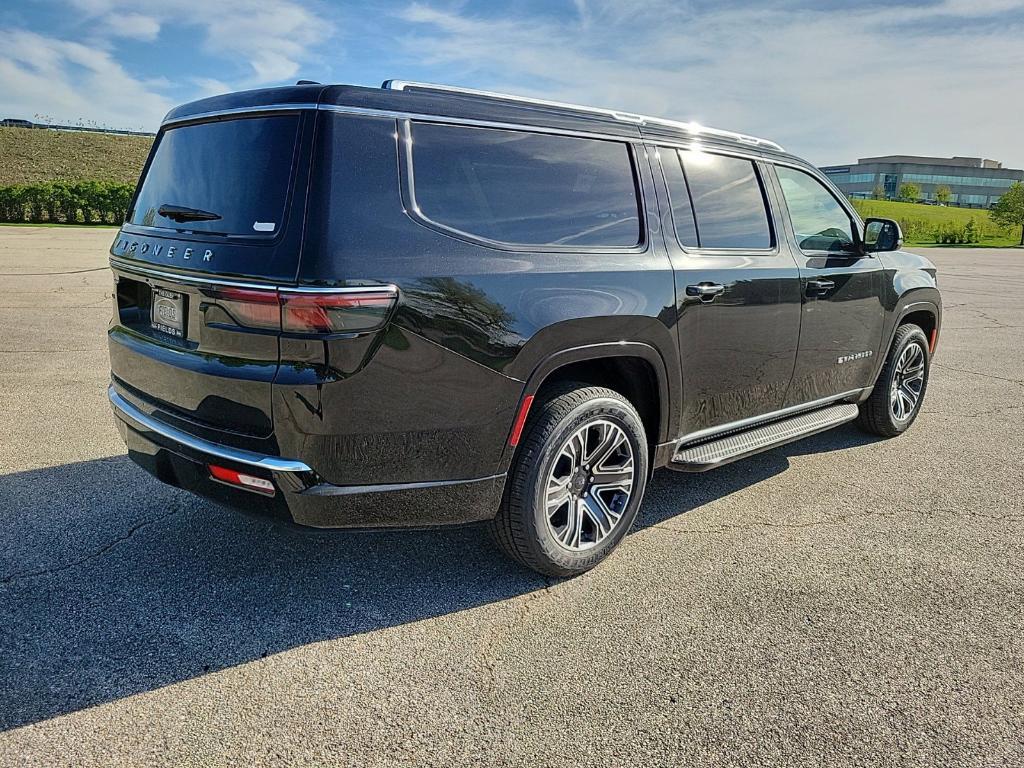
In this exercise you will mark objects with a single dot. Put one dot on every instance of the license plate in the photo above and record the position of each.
(168, 312)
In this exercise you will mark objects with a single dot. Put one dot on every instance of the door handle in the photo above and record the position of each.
(819, 287)
(705, 291)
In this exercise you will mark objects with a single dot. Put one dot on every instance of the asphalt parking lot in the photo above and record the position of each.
(840, 601)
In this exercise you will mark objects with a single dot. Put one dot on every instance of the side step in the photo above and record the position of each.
(716, 452)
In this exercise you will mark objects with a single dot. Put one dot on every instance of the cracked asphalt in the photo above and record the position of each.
(840, 601)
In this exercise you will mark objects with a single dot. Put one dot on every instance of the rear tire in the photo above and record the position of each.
(576, 482)
(896, 399)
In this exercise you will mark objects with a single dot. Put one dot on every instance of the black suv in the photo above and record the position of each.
(419, 305)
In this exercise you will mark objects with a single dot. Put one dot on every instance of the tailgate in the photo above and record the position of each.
(174, 345)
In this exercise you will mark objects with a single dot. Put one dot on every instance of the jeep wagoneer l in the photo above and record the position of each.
(419, 305)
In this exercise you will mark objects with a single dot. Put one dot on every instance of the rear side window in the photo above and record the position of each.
(679, 197)
(525, 188)
(230, 177)
(728, 201)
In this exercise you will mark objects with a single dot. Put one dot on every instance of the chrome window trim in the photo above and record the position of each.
(622, 116)
(228, 282)
(732, 426)
(476, 123)
(129, 414)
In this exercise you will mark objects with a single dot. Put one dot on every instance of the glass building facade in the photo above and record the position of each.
(973, 181)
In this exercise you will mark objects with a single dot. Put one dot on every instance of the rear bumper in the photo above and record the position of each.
(302, 497)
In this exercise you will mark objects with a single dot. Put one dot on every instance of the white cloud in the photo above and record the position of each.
(134, 26)
(210, 86)
(829, 84)
(272, 38)
(69, 81)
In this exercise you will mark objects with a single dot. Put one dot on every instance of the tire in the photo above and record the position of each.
(880, 414)
(572, 426)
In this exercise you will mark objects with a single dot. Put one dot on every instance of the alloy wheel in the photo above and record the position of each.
(589, 485)
(907, 382)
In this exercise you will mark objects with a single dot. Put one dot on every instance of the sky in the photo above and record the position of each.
(830, 81)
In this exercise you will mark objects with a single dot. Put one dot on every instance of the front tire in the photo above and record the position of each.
(896, 399)
(576, 482)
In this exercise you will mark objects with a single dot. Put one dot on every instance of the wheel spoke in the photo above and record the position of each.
(576, 529)
(557, 499)
(611, 438)
(602, 517)
(614, 477)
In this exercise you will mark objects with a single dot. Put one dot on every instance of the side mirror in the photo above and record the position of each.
(882, 235)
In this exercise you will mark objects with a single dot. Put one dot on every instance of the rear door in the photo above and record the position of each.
(841, 327)
(738, 294)
(217, 215)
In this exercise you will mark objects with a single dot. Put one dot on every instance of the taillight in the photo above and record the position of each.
(314, 311)
(323, 312)
(251, 307)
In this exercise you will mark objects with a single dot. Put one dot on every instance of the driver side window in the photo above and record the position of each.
(819, 221)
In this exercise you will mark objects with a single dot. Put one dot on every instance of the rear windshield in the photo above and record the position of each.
(230, 177)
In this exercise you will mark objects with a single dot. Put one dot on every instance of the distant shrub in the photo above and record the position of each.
(958, 234)
(87, 202)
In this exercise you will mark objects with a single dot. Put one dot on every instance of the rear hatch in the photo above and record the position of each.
(216, 223)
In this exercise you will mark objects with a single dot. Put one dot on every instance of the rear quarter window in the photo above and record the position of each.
(526, 189)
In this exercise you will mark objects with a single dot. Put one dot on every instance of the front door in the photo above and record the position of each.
(737, 291)
(841, 325)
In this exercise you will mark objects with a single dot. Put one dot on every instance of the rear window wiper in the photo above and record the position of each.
(184, 213)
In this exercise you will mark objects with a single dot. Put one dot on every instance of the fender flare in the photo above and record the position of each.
(602, 351)
(905, 308)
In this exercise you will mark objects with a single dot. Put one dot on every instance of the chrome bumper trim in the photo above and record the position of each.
(137, 419)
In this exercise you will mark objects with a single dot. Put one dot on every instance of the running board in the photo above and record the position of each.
(715, 453)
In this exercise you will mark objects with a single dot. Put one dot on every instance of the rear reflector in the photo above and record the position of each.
(304, 312)
(517, 428)
(933, 340)
(248, 482)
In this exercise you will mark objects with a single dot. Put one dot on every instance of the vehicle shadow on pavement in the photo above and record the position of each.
(113, 584)
(671, 494)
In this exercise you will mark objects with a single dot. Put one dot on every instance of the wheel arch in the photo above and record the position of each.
(636, 370)
(923, 307)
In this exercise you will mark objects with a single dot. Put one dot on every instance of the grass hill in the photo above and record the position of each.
(922, 224)
(29, 155)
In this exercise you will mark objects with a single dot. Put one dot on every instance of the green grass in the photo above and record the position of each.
(29, 155)
(920, 222)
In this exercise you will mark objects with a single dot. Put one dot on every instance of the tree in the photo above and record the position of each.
(1009, 209)
(943, 193)
(909, 191)
(878, 192)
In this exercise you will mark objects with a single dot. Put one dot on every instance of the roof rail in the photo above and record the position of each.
(627, 117)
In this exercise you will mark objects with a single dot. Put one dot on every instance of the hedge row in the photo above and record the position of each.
(87, 202)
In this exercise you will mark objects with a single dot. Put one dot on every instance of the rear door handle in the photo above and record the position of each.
(705, 291)
(819, 287)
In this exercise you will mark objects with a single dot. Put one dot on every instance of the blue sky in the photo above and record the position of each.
(831, 81)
